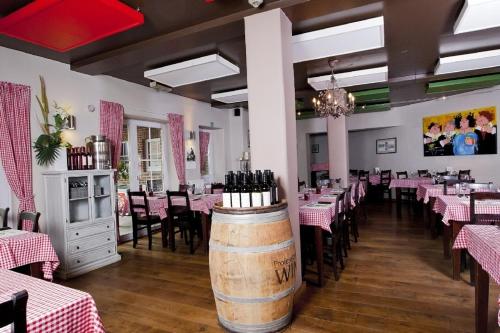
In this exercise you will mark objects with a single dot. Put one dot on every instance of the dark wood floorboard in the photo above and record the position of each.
(396, 280)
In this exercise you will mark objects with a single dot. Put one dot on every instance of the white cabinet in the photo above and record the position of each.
(80, 219)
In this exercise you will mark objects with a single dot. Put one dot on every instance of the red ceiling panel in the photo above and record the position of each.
(63, 25)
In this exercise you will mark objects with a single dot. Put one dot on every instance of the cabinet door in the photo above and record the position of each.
(79, 195)
(103, 196)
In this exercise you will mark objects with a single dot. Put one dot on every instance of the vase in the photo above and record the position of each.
(61, 162)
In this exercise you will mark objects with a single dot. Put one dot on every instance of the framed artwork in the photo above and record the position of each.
(387, 146)
(468, 132)
(315, 148)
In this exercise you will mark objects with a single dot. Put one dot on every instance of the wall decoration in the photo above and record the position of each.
(315, 148)
(387, 146)
(468, 132)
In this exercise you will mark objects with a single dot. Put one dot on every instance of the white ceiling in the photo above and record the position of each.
(478, 15)
(467, 62)
(234, 96)
(349, 79)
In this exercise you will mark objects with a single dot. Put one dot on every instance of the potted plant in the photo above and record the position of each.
(49, 144)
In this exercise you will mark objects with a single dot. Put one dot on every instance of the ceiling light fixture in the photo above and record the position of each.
(334, 101)
(478, 15)
(233, 96)
(255, 3)
(349, 79)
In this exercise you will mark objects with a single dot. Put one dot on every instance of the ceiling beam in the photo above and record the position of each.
(153, 47)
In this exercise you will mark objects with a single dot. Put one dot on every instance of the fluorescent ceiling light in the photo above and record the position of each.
(342, 39)
(234, 96)
(467, 62)
(349, 79)
(478, 15)
(192, 71)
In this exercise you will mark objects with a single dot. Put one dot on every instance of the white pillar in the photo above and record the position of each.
(271, 101)
(338, 149)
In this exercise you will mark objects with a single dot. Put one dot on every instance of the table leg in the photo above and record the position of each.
(481, 304)
(171, 234)
(456, 260)
(398, 201)
(318, 240)
(446, 240)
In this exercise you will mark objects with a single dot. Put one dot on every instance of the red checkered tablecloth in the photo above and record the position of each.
(201, 203)
(454, 208)
(409, 182)
(19, 248)
(51, 308)
(483, 243)
(427, 191)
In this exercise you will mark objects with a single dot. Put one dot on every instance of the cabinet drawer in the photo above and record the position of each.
(89, 243)
(89, 257)
(74, 234)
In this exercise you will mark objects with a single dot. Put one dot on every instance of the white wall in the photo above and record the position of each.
(304, 128)
(408, 131)
(78, 91)
(237, 138)
(322, 141)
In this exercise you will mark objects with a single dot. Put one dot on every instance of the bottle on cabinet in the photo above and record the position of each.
(245, 190)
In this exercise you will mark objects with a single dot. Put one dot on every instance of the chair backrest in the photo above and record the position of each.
(353, 172)
(178, 194)
(442, 174)
(449, 183)
(340, 208)
(356, 192)
(463, 174)
(483, 187)
(363, 178)
(217, 188)
(14, 312)
(423, 173)
(402, 174)
(385, 177)
(300, 184)
(28, 221)
(477, 218)
(138, 203)
(185, 188)
(4, 216)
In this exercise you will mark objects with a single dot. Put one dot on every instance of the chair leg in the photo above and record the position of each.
(164, 233)
(334, 255)
(339, 251)
(191, 237)
(347, 236)
(150, 237)
(134, 234)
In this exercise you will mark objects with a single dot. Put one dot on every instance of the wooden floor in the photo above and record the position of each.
(396, 280)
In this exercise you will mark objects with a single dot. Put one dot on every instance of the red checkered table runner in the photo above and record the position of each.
(19, 248)
(199, 203)
(454, 208)
(51, 308)
(483, 243)
(409, 182)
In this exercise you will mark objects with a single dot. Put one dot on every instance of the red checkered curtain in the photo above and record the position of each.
(15, 142)
(111, 125)
(176, 129)
(204, 142)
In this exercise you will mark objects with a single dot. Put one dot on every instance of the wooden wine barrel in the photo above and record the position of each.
(252, 267)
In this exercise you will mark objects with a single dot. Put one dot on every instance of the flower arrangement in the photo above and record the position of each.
(47, 146)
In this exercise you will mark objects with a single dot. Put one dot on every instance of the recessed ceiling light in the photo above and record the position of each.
(478, 15)
(467, 62)
(192, 71)
(342, 39)
(349, 79)
(234, 96)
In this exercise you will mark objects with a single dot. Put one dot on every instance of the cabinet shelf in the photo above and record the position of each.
(78, 199)
(102, 196)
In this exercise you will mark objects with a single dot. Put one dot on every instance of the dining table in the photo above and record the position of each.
(201, 203)
(483, 244)
(455, 212)
(51, 308)
(406, 183)
(20, 248)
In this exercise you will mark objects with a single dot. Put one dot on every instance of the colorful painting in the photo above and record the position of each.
(469, 132)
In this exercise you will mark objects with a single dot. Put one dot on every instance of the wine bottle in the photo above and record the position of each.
(235, 193)
(266, 191)
(274, 190)
(245, 191)
(256, 191)
(226, 193)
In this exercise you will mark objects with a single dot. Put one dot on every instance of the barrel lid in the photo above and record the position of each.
(252, 210)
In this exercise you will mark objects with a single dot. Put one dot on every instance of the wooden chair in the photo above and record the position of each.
(464, 174)
(28, 221)
(353, 172)
(363, 179)
(217, 188)
(301, 184)
(409, 194)
(142, 218)
(337, 235)
(182, 216)
(423, 173)
(481, 187)
(448, 183)
(345, 216)
(442, 174)
(14, 312)
(353, 220)
(385, 181)
(185, 188)
(4, 217)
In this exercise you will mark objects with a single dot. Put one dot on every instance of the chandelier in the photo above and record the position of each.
(334, 101)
